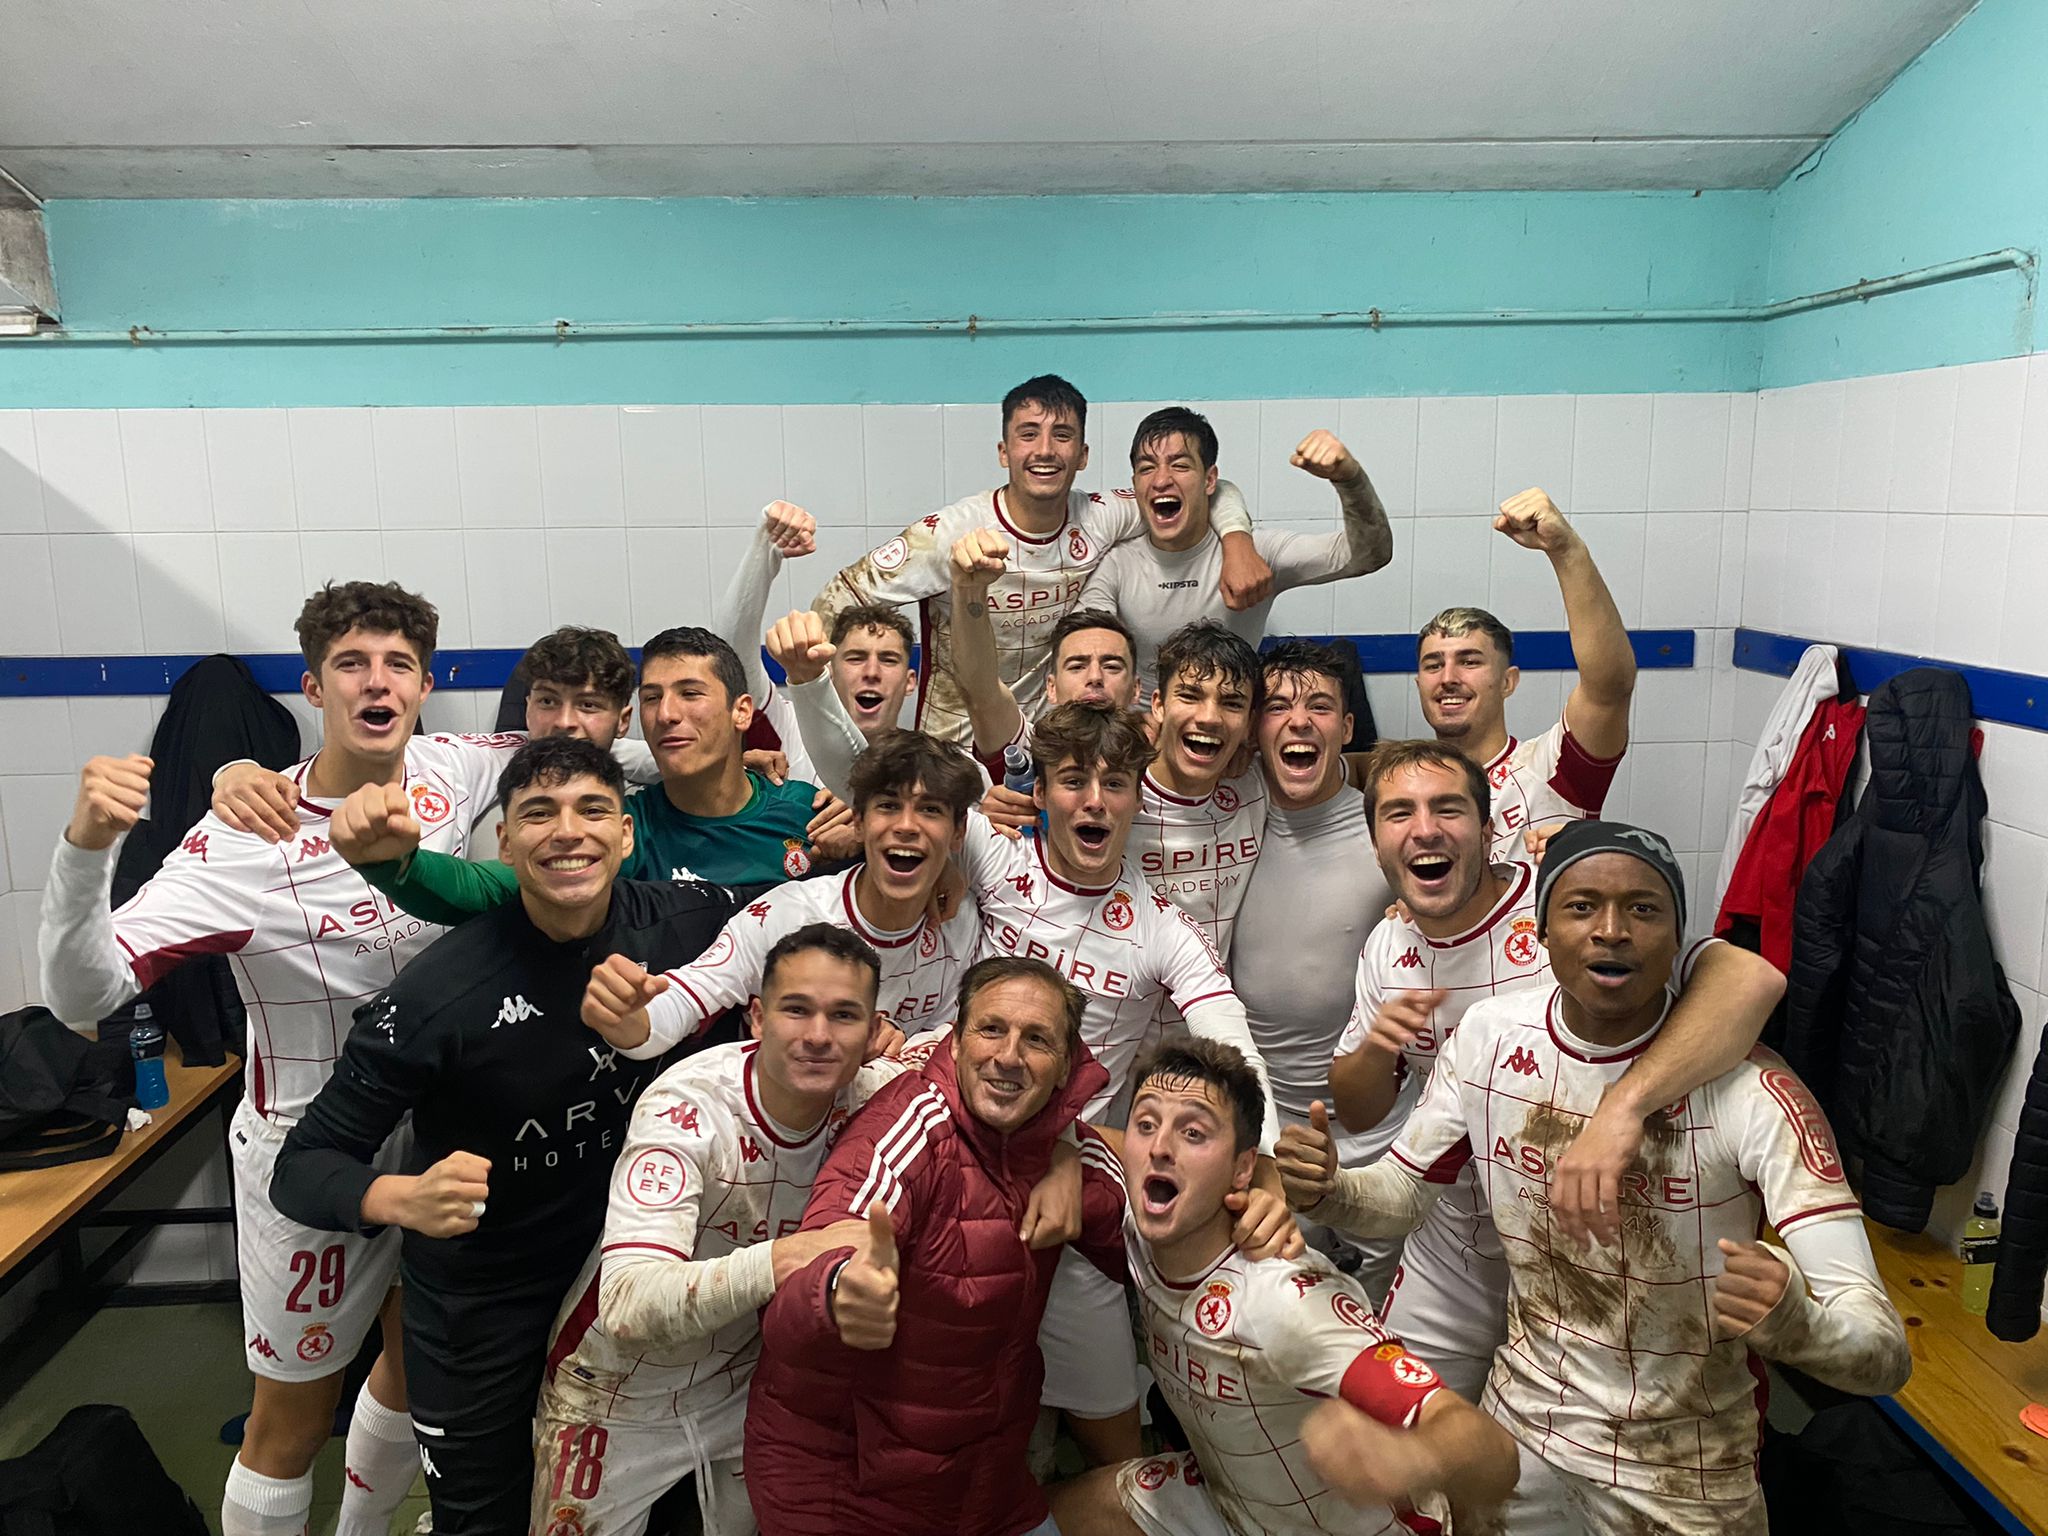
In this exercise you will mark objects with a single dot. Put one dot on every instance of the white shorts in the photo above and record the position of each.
(606, 1477)
(1091, 1359)
(1165, 1496)
(1449, 1304)
(309, 1298)
(1550, 1502)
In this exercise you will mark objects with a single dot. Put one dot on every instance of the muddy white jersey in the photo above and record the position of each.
(1122, 946)
(921, 968)
(1610, 1369)
(306, 937)
(1497, 952)
(705, 1172)
(1199, 853)
(1043, 581)
(1243, 1353)
(1548, 778)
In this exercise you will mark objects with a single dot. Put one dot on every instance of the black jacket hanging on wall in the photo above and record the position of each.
(215, 715)
(2015, 1310)
(1898, 1015)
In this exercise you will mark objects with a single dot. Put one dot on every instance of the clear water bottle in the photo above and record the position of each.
(1980, 1253)
(1018, 773)
(146, 1045)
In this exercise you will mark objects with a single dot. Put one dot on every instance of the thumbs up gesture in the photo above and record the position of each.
(1307, 1159)
(864, 1295)
(615, 1002)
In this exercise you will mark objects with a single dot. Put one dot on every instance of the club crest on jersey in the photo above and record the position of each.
(928, 945)
(1226, 798)
(567, 1521)
(795, 862)
(1077, 544)
(1520, 947)
(1498, 774)
(1349, 1312)
(429, 806)
(655, 1179)
(1212, 1312)
(1816, 1138)
(890, 556)
(1153, 1475)
(315, 1343)
(1118, 913)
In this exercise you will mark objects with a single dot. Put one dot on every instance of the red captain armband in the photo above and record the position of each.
(1387, 1383)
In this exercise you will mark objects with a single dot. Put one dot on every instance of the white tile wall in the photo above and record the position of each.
(1931, 538)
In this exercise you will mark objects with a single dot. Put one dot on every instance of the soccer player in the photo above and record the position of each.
(1315, 893)
(1071, 897)
(898, 1379)
(1471, 934)
(1465, 670)
(846, 686)
(911, 797)
(307, 941)
(869, 677)
(1245, 1350)
(580, 683)
(1628, 1377)
(1061, 535)
(517, 1109)
(647, 1375)
(1170, 577)
(712, 818)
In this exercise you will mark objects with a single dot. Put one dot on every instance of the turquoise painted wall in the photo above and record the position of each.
(1951, 160)
(329, 264)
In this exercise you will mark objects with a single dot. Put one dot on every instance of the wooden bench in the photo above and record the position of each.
(47, 1210)
(1963, 1403)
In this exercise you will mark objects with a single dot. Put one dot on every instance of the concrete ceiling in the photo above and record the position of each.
(505, 98)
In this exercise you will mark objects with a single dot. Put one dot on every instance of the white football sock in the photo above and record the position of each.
(255, 1505)
(383, 1459)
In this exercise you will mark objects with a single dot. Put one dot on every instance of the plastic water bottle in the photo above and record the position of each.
(1018, 774)
(146, 1045)
(1980, 1253)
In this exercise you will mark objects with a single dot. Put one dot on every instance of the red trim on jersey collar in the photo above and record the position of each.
(1500, 909)
(996, 500)
(859, 924)
(1594, 1055)
(300, 774)
(1186, 1285)
(1038, 847)
(761, 1118)
(1166, 794)
(1501, 756)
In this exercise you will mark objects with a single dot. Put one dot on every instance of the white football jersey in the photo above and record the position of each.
(1611, 1370)
(705, 1172)
(1040, 587)
(307, 937)
(1244, 1352)
(1199, 854)
(1121, 945)
(1549, 778)
(1498, 952)
(921, 968)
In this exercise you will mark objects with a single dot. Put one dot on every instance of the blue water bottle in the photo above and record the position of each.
(1018, 774)
(146, 1045)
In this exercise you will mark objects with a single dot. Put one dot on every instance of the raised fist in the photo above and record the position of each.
(448, 1199)
(1322, 455)
(1533, 521)
(112, 792)
(792, 530)
(980, 556)
(375, 825)
(798, 644)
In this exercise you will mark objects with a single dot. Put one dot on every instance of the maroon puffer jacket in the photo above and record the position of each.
(929, 1435)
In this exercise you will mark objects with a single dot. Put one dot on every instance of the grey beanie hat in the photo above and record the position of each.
(1577, 840)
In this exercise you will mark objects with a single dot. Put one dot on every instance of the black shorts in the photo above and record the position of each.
(473, 1366)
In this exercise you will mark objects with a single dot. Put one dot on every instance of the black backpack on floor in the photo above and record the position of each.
(63, 1098)
(94, 1475)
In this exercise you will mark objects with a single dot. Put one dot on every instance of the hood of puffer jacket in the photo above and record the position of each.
(1923, 767)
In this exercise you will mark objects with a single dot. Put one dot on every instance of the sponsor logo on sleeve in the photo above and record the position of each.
(890, 556)
(1350, 1311)
(655, 1179)
(1816, 1138)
